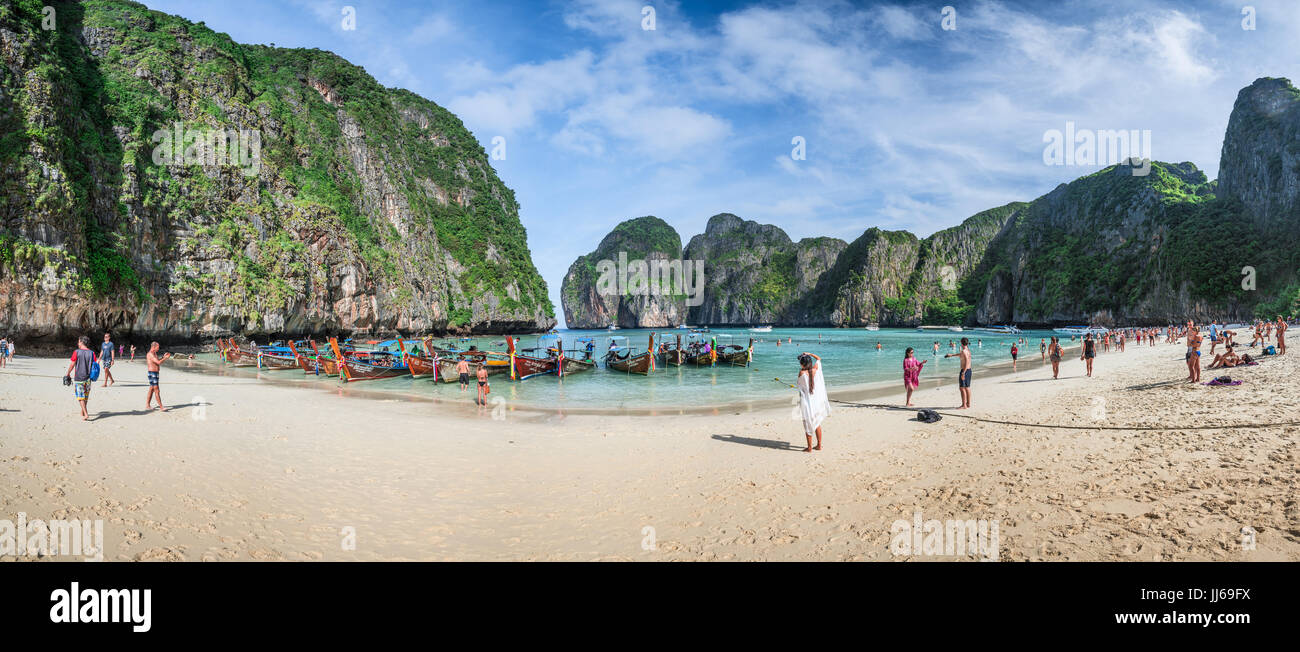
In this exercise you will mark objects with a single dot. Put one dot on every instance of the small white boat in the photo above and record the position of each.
(873, 327)
(761, 329)
(613, 327)
(955, 329)
(1001, 330)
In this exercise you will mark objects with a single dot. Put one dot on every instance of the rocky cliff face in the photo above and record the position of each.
(1260, 163)
(604, 287)
(754, 273)
(165, 182)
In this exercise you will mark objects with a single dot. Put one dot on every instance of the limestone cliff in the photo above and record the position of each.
(163, 181)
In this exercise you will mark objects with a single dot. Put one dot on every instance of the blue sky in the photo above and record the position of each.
(907, 125)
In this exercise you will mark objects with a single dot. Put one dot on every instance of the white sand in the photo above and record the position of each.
(276, 472)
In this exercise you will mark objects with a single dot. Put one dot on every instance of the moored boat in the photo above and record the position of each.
(735, 354)
(621, 358)
(672, 355)
(374, 364)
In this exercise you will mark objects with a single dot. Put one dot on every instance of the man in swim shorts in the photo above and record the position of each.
(106, 359)
(462, 368)
(964, 375)
(78, 374)
(154, 362)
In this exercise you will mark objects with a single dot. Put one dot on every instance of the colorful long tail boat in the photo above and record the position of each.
(673, 356)
(313, 363)
(523, 366)
(276, 357)
(371, 365)
(736, 355)
(236, 356)
(641, 363)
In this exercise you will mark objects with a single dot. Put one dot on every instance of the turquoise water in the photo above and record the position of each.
(849, 356)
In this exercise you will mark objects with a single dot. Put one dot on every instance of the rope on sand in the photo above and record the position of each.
(1282, 424)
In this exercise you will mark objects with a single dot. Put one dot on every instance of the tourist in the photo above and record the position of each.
(964, 374)
(814, 406)
(1042, 349)
(911, 373)
(4, 351)
(78, 374)
(482, 384)
(1015, 351)
(1193, 355)
(1281, 335)
(1225, 359)
(1054, 354)
(1089, 352)
(132, 353)
(154, 365)
(462, 368)
(106, 359)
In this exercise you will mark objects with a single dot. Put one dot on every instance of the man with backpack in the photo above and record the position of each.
(81, 373)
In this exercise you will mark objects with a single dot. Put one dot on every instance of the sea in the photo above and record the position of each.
(853, 360)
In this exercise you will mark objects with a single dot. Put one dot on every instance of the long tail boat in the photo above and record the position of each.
(239, 357)
(673, 355)
(371, 365)
(447, 368)
(314, 363)
(422, 364)
(523, 366)
(735, 354)
(625, 361)
(276, 357)
(700, 354)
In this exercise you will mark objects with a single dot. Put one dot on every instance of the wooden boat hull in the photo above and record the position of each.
(675, 357)
(316, 365)
(634, 364)
(699, 360)
(578, 365)
(527, 366)
(447, 370)
(271, 362)
(241, 358)
(734, 358)
(354, 370)
(421, 366)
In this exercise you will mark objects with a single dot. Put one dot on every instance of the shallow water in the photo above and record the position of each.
(849, 356)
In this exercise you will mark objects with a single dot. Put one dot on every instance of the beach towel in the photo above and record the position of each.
(1223, 381)
(814, 406)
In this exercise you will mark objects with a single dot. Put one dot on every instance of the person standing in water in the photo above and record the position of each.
(911, 373)
(964, 375)
(482, 384)
(814, 406)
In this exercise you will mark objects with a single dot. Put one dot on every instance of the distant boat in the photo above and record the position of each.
(873, 327)
(1002, 330)
(761, 329)
(1081, 330)
(613, 327)
(955, 329)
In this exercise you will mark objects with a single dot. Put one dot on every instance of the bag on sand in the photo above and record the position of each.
(928, 416)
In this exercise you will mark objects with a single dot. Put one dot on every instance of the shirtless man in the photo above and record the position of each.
(154, 362)
(462, 368)
(963, 376)
(482, 384)
(1281, 335)
(1193, 353)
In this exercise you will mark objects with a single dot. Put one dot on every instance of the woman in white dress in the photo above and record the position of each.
(813, 404)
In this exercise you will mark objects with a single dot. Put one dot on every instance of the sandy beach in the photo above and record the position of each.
(1132, 464)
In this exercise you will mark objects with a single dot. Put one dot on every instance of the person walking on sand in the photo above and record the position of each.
(4, 351)
(814, 406)
(964, 375)
(482, 385)
(1054, 354)
(1042, 349)
(106, 359)
(1281, 335)
(132, 353)
(1015, 351)
(911, 373)
(154, 365)
(1089, 352)
(78, 374)
(462, 368)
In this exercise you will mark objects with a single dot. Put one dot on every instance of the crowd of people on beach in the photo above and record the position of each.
(87, 365)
